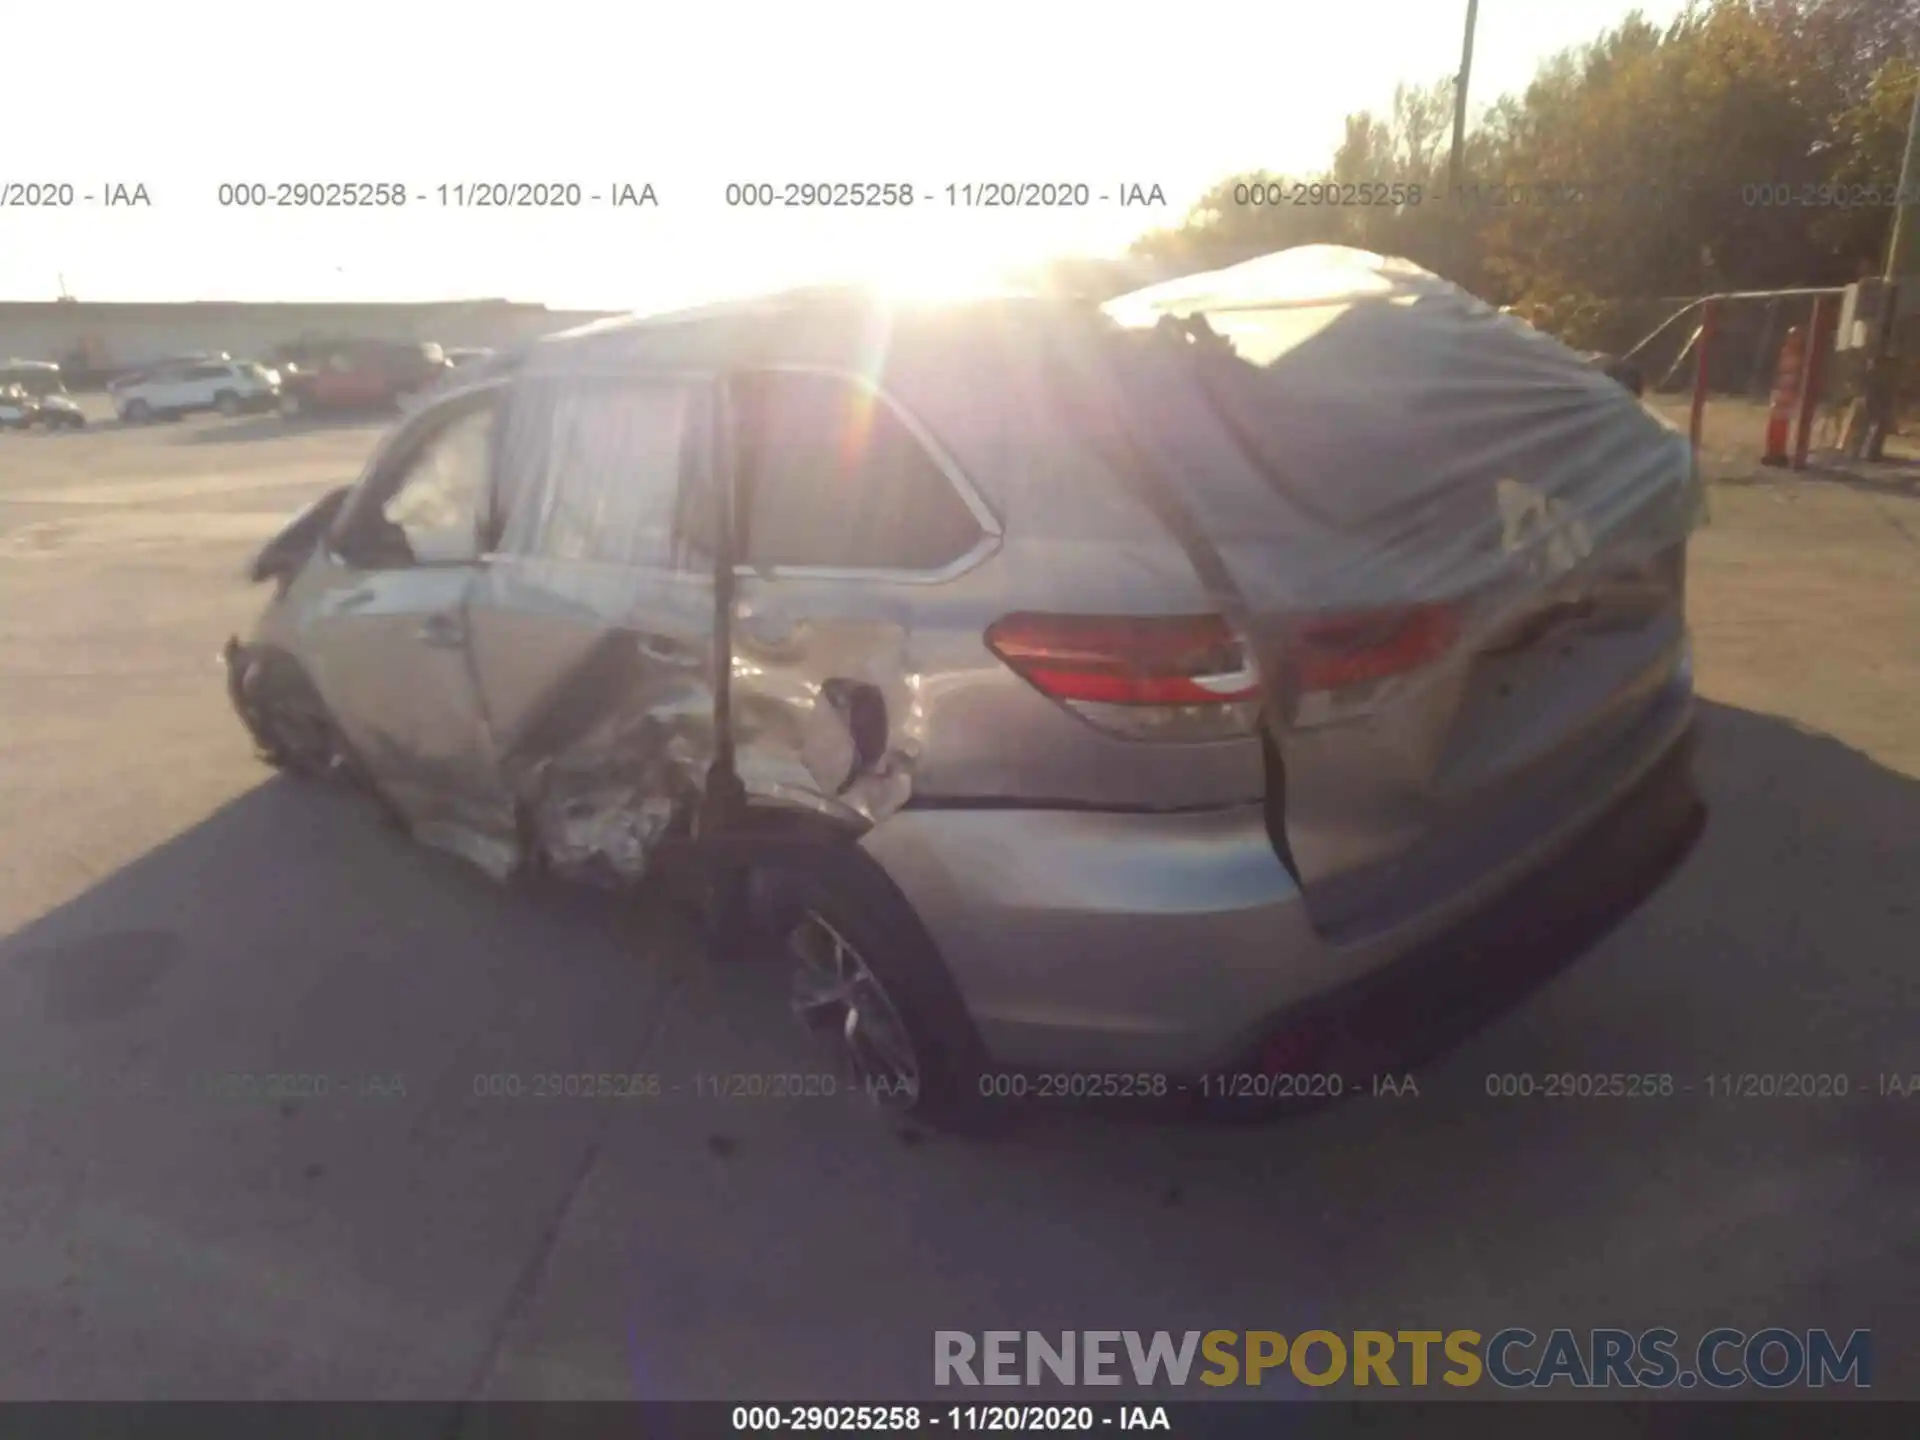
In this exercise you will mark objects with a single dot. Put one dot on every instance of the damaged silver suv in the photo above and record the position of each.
(1065, 689)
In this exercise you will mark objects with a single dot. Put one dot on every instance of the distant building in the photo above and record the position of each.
(115, 335)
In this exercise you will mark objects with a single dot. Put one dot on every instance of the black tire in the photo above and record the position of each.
(292, 729)
(227, 403)
(284, 714)
(138, 412)
(843, 889)
(291, 405)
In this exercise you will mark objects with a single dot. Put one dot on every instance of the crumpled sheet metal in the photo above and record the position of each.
(619, 751)
(1393, 440)
(826, 718)
(600, 809)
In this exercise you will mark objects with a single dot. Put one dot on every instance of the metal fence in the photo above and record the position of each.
(1730, 345)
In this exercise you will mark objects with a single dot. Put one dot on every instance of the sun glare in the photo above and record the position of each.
(916, 275)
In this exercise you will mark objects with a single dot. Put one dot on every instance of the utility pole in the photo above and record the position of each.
(1460, 103)
(1903, 247)
(1903, 260)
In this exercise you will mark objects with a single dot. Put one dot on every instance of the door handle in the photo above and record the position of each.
(443, 630)
(355, 600)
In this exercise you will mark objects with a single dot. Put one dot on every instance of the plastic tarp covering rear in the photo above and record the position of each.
(1406, 445)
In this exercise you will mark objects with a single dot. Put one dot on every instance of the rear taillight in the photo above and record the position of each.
(1335, 664)
(1332, 652)
(1181, 677)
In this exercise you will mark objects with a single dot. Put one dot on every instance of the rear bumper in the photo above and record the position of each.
(1174, 942)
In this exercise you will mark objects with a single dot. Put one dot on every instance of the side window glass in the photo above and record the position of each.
(838, 481)
(593, 472)
(441, 497)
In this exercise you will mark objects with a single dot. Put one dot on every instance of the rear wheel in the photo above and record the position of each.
(138, 412)
(227, 403)
(865, 978)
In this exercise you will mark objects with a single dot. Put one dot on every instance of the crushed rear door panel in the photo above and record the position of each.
(598, 690)
(592, 640)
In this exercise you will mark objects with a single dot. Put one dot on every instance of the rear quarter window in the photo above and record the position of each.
(1043, 442)
(838, 480)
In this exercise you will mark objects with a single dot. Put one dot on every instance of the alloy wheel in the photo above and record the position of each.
(840, 999)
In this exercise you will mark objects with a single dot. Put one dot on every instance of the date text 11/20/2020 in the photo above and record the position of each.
(1719, 1085)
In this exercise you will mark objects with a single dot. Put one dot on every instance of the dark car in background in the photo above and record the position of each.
(18, 409)
(32, 393)
(363, 375)
(37, 377)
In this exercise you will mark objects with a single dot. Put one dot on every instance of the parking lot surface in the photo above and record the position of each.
(174, 913)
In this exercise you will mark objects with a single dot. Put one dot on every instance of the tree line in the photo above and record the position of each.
(1748, 144)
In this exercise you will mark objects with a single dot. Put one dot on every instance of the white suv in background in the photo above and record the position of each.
(230, 386)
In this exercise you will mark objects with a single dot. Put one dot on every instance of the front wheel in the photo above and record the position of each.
(867, 981)
(291, 405)
(138, 412)
(227, 403)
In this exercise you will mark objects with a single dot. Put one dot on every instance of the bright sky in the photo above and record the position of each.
(687, 99)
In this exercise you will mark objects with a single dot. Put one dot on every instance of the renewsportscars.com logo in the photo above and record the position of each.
(1772, 1359)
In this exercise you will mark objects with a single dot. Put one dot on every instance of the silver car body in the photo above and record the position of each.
(1108, 887)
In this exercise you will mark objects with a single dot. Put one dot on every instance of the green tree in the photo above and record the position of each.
(1640, 159)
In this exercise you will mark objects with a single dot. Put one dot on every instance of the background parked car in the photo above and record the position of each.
(232, 387)
(59, 412)
(18, 409)
(36, 377)
(128, 375)
(372, 374)
(21, 409)
(39, 396)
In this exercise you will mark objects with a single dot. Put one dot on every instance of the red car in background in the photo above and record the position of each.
(367, 375)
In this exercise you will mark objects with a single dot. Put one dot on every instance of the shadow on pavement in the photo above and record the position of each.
(290, 933)
(304, 860)
(1802, 828)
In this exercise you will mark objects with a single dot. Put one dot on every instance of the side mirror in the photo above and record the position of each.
(288, 551)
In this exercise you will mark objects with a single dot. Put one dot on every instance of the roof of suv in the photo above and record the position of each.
(824, 325)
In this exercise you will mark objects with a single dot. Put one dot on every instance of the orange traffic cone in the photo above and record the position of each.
(1786, 397)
